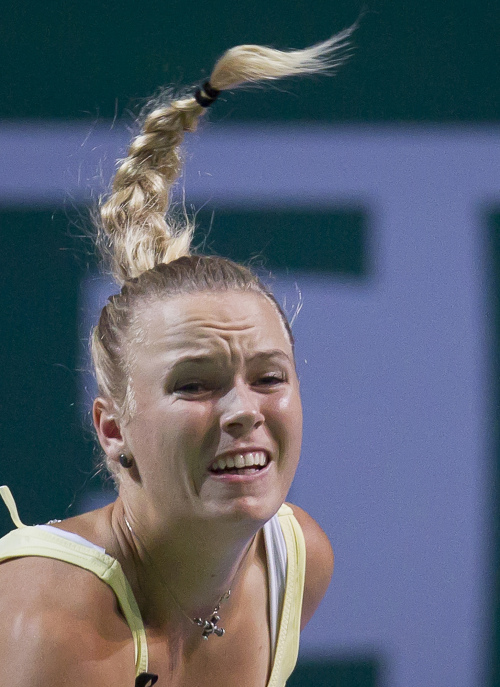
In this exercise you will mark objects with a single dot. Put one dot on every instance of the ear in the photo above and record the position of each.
(107, 424)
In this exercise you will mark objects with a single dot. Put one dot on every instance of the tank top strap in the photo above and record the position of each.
(8, 499)
(287, 647)
(35, 541)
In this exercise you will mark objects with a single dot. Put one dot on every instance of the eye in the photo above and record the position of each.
(191, 388)
(270, 379)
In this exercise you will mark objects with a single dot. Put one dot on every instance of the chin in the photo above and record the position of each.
(250, 509)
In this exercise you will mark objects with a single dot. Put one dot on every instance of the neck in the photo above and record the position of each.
(183, 570)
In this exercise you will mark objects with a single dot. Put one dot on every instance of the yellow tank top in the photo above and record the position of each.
(33, 541)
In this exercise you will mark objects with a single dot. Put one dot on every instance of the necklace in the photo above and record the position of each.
(209, 625)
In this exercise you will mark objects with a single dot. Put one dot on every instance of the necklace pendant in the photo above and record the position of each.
(209, 627)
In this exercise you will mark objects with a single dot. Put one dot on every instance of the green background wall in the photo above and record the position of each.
(413, 61)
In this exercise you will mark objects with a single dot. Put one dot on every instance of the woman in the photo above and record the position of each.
(196, 574)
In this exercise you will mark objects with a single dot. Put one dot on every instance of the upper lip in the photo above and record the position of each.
(240, 449)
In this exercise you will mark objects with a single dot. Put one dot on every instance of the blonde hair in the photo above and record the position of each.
(148, 251)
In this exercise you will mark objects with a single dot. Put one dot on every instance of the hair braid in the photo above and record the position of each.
(136, 232)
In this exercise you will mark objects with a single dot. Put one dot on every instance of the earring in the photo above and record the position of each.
(125, 461)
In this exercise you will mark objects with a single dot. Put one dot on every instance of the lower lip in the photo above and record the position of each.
(251, 477)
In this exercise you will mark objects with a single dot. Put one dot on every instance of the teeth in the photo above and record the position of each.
(241, 460)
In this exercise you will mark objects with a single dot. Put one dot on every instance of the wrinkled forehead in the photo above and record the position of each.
(210, 322)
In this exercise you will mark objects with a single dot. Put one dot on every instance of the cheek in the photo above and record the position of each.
(188, 428)
(286, 417)
(291, 406)
(170, 429)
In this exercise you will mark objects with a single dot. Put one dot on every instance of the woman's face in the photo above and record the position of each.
(214, 385)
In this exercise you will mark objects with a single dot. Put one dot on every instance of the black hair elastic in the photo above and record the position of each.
(206, 95)
(146, 680)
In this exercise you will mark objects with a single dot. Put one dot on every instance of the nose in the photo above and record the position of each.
(241, 413)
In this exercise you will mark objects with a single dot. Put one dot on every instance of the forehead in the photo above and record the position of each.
(211, 321)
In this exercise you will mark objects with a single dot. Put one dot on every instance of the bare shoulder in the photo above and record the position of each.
(319, 563)
(58, 625)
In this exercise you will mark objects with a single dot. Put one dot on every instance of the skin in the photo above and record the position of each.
(212, 375)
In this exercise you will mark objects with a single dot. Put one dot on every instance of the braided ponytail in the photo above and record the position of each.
(136, 232)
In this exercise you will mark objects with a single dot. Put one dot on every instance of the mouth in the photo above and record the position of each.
(244, 463)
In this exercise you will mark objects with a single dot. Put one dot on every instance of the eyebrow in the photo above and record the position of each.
(204, 358)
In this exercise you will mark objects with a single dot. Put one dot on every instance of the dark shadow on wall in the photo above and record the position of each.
(45, 457)
(363, 672)
(331, 240)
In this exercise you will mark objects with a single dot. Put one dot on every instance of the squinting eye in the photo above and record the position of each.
(191, 388)
(270, 380)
